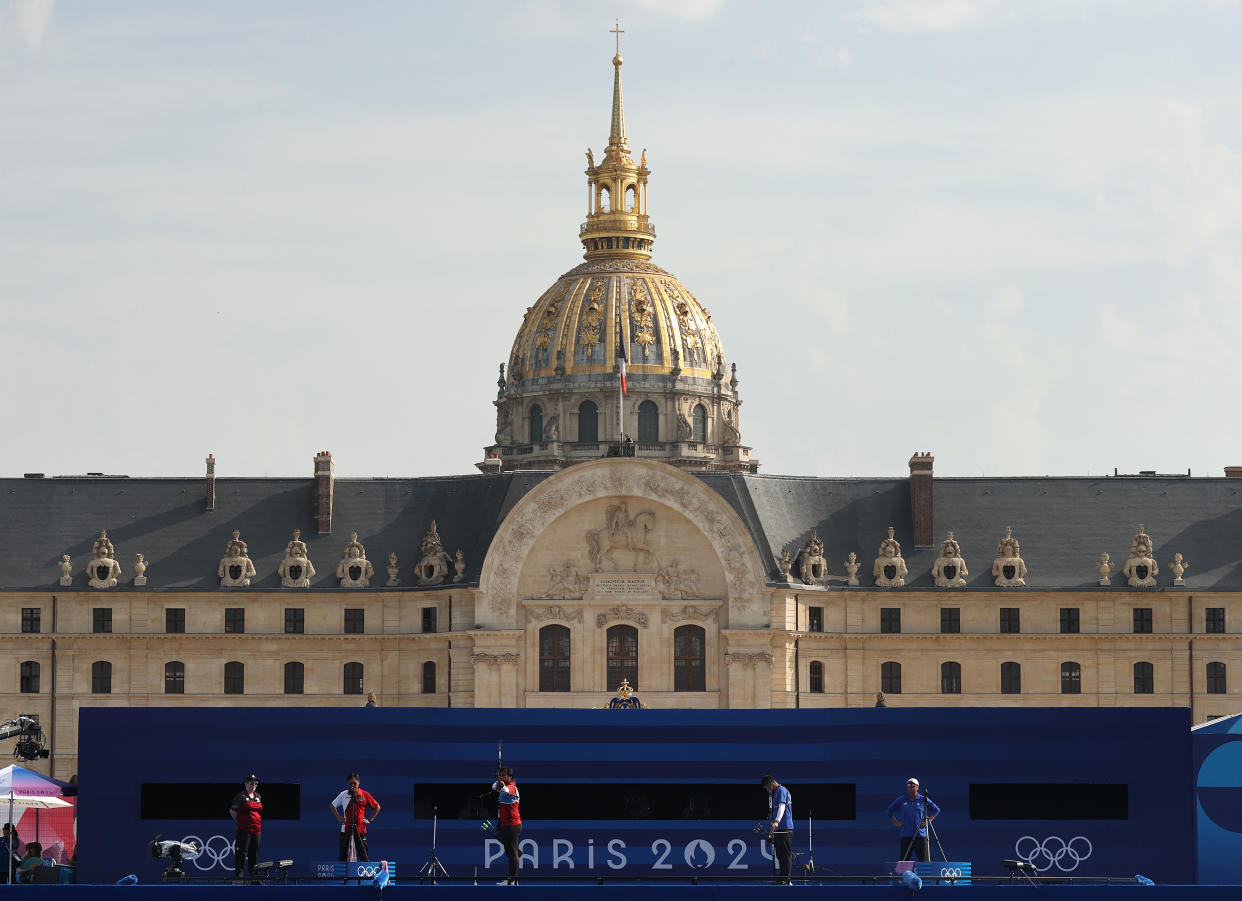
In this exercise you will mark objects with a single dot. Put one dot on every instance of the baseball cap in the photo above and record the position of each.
(912, 779)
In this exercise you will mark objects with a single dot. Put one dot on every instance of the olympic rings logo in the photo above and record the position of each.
(954, 872)
(1053, 850)
(369, 871)
(216, 850)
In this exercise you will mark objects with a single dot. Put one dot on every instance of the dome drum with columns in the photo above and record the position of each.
(558, 402)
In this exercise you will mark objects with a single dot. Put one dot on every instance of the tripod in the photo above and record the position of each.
(433, 868)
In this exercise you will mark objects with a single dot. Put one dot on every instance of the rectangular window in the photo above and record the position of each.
(1142, 620)
(1010, 620)
(101, 620)
(815, 619)
(1069, 620)
(174, 619)
(950, 620)
(295, 620)
(890, 619)
(429, 619)
(355, 620)
(32, 619)
(1214, 619)
(235, 620)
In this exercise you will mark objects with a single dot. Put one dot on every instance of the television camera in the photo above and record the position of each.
(31, 742)
(175, 852)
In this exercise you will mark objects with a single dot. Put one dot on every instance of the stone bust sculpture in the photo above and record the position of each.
(1141, 569)
(852, 566)
(949, 570)
(355, 570)
(103, 571)
(890, 569)
(1008, 569)
(66, 569)
(235, 569)
(295, 570)
(1177, 567)
(1105, 568)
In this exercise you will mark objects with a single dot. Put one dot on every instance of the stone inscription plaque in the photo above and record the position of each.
(605, 586)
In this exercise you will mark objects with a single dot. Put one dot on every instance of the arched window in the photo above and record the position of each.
(101, 677)
(536, 424)
(234, 678)
(429, 677)
(554, 658)
(295, 678)
(890, 678)
(30, 677)
(174, 678)
(631, 199)
(1215, 678)
(353, 678)
(1011, 678)
(699, 423)
(817, 677)
(622, 656)
(648, 423)
(605, 196)
(1071, 678)
(1144, 678)
(689, 659)
(588, 421)
(950, 678)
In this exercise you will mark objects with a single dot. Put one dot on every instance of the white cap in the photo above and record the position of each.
(915, 781)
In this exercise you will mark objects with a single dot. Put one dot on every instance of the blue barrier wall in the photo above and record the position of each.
(595, 754)
(1217, 748)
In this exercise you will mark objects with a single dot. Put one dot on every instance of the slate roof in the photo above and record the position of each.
(1062, 523)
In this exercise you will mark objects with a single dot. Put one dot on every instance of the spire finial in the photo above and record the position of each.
(616, 134)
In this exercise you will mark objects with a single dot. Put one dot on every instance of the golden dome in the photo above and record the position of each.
(579, 323)
(563, 399)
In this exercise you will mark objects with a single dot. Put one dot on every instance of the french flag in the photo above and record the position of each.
(621, 363)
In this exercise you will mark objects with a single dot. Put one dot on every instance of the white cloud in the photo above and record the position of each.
(925, 15)
(34, 20)
(826, 56)
(692, 10)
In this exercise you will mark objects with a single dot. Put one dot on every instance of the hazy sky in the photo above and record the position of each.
(1009, 233)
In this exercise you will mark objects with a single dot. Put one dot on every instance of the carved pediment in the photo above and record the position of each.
(621, 613)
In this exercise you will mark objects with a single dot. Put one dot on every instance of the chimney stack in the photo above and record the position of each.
(921, 498)
(211, 483)
(1233, 472)
(325, 476)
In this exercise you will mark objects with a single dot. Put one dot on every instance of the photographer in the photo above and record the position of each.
(912, 813)
(510, 819)
(350, 808)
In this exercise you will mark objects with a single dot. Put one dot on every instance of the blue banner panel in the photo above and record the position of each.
(1217, 749)
(652, 794)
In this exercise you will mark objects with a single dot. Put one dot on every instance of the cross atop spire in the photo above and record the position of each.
(616, 133)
